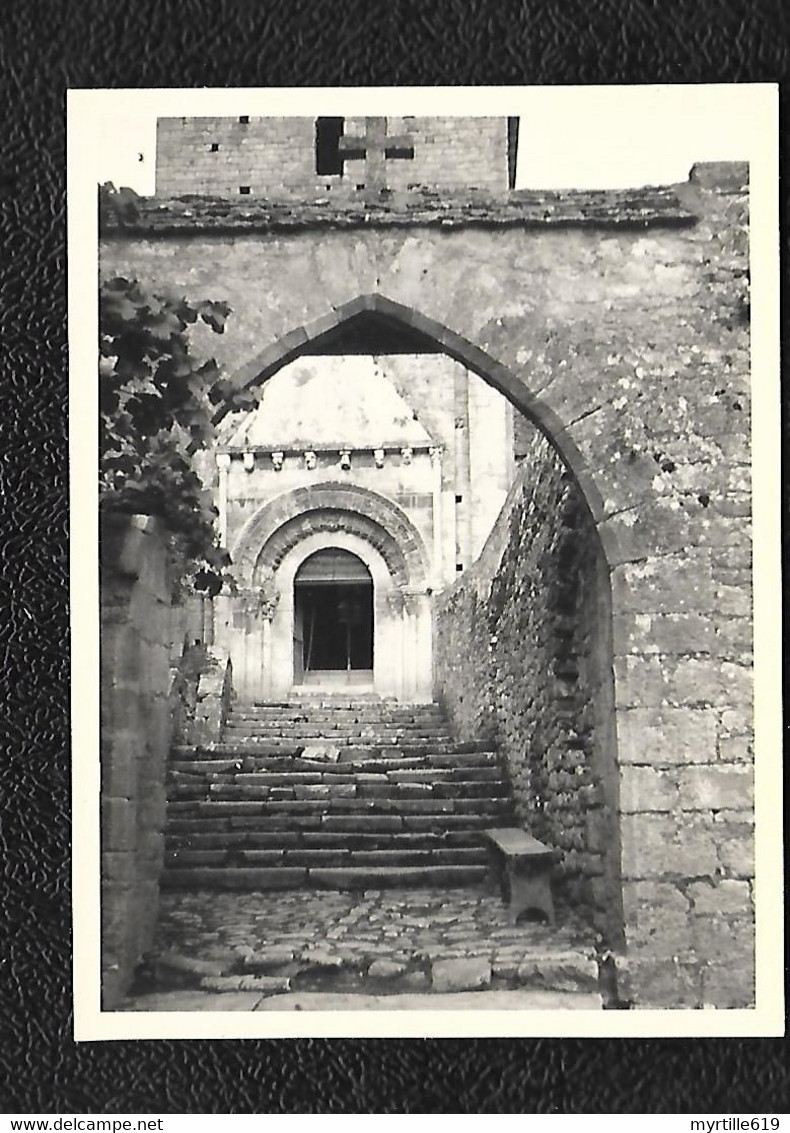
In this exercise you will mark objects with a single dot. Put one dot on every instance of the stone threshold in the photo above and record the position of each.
(339, 1001)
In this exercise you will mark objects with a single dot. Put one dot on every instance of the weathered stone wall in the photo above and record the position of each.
(277, 155)
(518, 658)
(619, 323)
(135, 739)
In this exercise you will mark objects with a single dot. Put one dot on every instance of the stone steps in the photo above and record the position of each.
(394, 802)
(205, 841)
(203, 762)
(448, 783)
(337, 720)
(325, 856)
(348, 737)
(356, 822)
(492, 807)
(338, 717)
(340, 878)
(362, 796)
(267, 746)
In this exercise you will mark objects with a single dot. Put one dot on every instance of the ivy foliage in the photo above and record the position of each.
(156, 408)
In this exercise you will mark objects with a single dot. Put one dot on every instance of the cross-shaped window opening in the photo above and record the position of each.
(328, 132)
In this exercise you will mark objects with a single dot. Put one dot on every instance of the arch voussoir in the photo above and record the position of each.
(331, 506)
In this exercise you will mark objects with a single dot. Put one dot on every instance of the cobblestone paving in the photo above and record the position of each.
(419, 938)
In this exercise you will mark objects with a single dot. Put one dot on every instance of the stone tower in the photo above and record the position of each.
(337, 157)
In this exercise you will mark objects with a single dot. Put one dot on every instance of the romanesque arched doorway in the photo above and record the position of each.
(333, 621)
(300, 559)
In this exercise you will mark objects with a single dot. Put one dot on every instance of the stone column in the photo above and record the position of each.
(223, 466)
(269, 602)
(425, 648)
(417, 676)
(391, 675)
(436, 466)
(463, 549)
(266, 659)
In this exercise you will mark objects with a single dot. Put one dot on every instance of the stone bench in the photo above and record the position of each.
(524, 866)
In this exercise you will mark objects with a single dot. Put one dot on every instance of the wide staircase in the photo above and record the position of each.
(332, 792)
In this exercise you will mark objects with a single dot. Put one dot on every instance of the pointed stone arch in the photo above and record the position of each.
(436, 337)
(424, 333)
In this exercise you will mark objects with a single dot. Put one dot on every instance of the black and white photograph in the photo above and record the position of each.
(429, 650)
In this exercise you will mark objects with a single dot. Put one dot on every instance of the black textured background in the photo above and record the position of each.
(44, 49)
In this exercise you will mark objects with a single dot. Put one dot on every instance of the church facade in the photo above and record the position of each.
(501, 460)
(344, 514)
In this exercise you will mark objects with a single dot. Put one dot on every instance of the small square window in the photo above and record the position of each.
(215, 147)
(360, 186)
(244, 190)
(459, 499)
(244, 119)
(459, 567)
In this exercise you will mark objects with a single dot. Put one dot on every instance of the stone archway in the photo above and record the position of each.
(257, 624)
(304, 339)
(598, 320)
(589, 731)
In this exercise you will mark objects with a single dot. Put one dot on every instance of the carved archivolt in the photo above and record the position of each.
(278, 526)
(296, 530)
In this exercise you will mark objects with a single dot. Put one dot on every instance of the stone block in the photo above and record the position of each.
(118, 824)
(385, 970)
(460, 975)
(155, 669)
(120, 750)
(724, 941)
(716, 787)
(741, 821)
(728, 986)
(733, 601)
(639, 682)
(646, 840)
(159, 726)
(667, 735)
(120, 651)
(659, 982)
(703, 681)
(120, 705)
(317, 791)
(737, 721)
(736, 749)
(559, 972)
(647, 789)
(640, 897)
(659, 932)
(671, 584)
(655, 846)
(663, 633)
(117, 900)
(736, 849)
(694, 852)
(733, 635)
(118, 866)
(725, 898)
(172, 961)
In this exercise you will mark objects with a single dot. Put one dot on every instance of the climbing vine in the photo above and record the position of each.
(156, 408)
